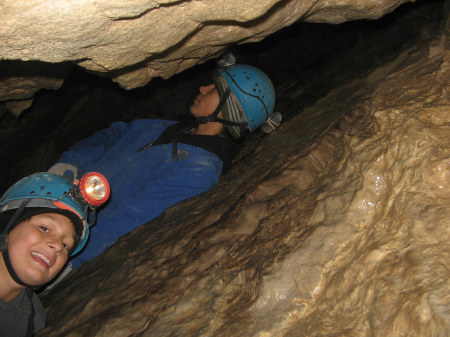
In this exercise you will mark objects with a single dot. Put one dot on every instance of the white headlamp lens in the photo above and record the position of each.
(95, 188)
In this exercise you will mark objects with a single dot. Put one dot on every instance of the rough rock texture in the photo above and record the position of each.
(19, 81)
(135, 40)
(337, 224)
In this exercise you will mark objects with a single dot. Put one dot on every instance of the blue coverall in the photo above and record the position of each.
(143, 183)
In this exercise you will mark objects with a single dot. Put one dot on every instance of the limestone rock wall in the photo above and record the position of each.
(135, 40)
(337, 224)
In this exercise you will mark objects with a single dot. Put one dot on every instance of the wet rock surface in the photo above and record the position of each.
(336, 224)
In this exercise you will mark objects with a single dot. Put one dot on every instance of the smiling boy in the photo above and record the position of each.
(42, 223)
(38, 249)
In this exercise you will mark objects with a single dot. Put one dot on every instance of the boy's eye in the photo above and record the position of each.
(66, 247)
(44, 229)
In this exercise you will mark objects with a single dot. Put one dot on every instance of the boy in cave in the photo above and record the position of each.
(154, 164)
(43, 223)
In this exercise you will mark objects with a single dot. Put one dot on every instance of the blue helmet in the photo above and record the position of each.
(51, 193)
(247, 97)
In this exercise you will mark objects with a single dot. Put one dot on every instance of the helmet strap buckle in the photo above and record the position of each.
(272, 122)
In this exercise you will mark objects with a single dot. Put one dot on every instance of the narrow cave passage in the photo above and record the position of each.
(336, 224)
(304, 60)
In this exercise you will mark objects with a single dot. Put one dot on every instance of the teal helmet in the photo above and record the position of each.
(51, 193)
(247, 97)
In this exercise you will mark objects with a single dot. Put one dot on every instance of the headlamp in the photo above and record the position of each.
(93, 189)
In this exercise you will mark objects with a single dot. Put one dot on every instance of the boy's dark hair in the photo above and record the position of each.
(6, 227)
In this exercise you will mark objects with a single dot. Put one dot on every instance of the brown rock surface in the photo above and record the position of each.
(336, 224)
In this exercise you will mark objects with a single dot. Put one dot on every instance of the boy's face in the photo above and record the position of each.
(39, 248)
(206, 102)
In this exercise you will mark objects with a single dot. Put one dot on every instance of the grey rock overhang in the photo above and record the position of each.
(134, 41)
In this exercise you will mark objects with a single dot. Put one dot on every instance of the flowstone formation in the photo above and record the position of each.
(134, 41)
(336, 224)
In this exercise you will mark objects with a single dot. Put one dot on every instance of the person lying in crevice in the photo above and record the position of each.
(154, 164)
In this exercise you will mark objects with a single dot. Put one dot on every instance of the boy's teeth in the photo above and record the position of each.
(42, 257)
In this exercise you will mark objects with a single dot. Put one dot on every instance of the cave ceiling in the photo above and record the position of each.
(134, 41)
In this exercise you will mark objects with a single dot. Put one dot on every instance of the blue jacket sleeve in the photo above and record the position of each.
(151, 201)
(91, 148)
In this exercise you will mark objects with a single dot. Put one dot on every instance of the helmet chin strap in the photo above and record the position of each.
(11, 271)
(213, 117)
(4, 244)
